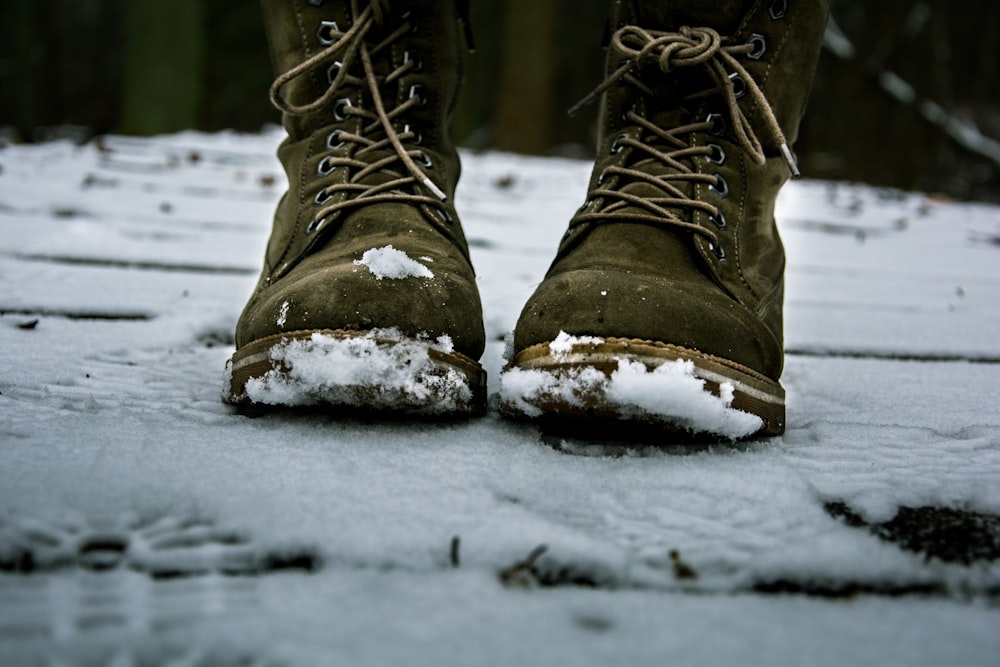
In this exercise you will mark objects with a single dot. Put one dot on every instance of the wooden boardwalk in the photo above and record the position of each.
(123, 267)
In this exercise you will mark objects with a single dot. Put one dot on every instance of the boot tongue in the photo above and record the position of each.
(722, 15)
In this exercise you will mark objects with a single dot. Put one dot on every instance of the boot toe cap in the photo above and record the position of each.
(346, 294)
(615, 304)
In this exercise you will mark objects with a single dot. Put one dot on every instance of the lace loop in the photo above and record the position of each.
(699, 47)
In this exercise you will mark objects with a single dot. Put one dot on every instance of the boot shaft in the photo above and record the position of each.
(748, 91)
(700, 103)
(415, 41)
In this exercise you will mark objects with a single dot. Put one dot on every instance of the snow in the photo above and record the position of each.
(296, 539)
(671, 391)
(339, 371)
(387, 262)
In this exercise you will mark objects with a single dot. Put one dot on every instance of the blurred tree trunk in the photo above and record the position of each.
(873, 108)
(58, 64)
(164, 66)
(534, 60)
(527, 77)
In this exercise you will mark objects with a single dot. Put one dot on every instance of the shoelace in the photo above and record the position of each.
(344, 53)
(670, 51)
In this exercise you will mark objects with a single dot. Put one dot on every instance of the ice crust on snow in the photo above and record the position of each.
(670, 392)
(383, 368)
(387, 262)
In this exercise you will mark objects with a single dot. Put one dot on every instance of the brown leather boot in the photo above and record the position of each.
(367, 297)
(664, 303)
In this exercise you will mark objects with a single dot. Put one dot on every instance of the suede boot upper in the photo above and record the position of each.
(366, 89)
(677, 242)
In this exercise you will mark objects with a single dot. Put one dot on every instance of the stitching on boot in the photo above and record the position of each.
(728, 363)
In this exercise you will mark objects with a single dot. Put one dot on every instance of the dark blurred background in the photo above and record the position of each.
(906, 94)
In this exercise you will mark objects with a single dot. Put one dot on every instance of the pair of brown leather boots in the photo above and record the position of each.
(663, 305)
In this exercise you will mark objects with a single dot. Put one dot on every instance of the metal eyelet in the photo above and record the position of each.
(325, 168)
(333, 70)
(418, 138)
(718, 123)
(444, 215)
(759, 43)
(333, 141)
(630, 109)
(718, 155)
(616, 145)
(719, 220)
(417, 91)
(720, 187)
(424, 160)
(340, 108)
(313, 226)
(325, 32)
(717, 250)
(409, 57)
(778, 9)
(739, 85)
(322, 198)
(407, 17)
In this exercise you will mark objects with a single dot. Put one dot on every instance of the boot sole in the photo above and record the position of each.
(569, 391)
(368, 371)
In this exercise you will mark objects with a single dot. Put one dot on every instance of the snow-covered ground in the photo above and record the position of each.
(143, 523)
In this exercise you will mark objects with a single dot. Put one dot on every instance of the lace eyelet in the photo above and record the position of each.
(720, 187)
(313, 226)
(417, 138)
(325, 168)
(778, 9)
(332, 70)
(719, 220)
(759, 43)
(630, 109)
(417, 91)
(444, 216)
(718, 155)
(717, 250)
(340, 108)
(424, 160)
(333, 141)
(739, 85)
(409, 57)
(718, 123)
(322, 198)
(616, 145)
(324, 34)
(414, 24)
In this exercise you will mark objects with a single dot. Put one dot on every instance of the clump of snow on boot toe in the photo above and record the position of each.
(670, 393)
(387, 262)
(564, 342)
(381, 369)
(282, 315)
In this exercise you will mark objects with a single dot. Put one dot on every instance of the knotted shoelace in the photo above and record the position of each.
(672, 51)
(379, 133)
